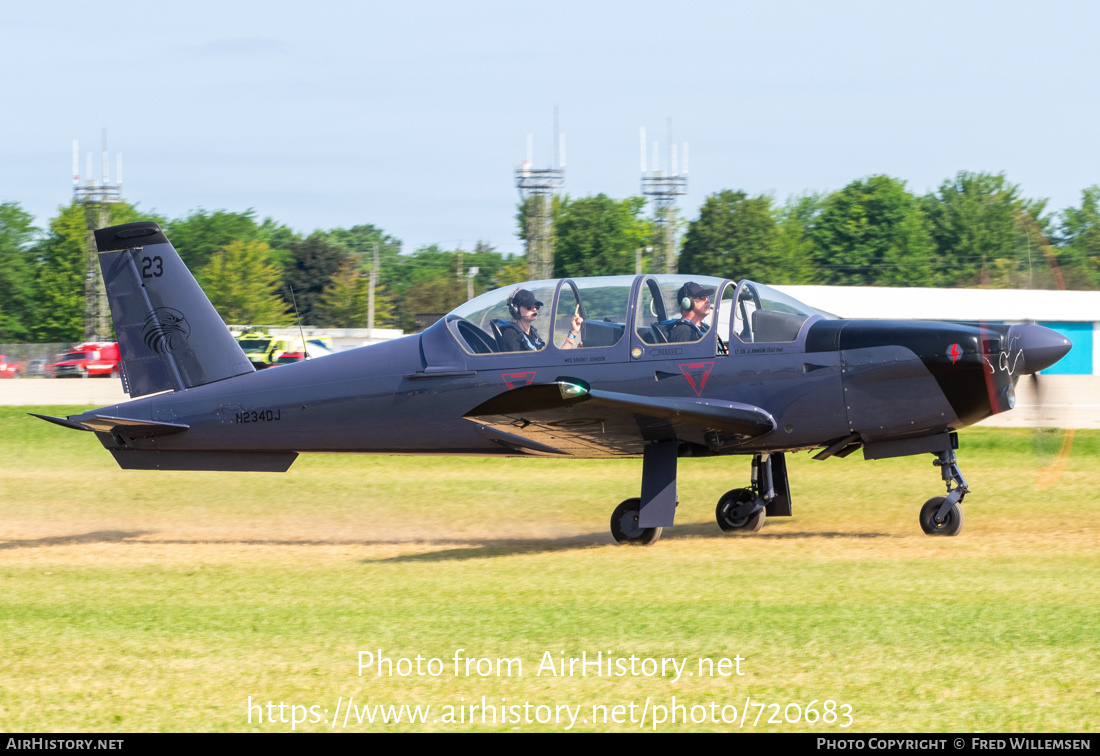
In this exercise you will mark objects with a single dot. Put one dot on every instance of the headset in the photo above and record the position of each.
(686, 303)
(513, 310)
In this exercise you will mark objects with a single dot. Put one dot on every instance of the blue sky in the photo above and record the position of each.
(413, 116)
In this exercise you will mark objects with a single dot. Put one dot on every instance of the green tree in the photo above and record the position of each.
(872, 232)
(735, 236)
(431, 280)
(346, 302)
(61, 270)
(513, 271)
(598, 236)
(313, 262)
(439, 292)
(794, 247)
(1079, 232)
(358, 242)
(198, 236)
(17, 234)
(243, 285)
(978, 226)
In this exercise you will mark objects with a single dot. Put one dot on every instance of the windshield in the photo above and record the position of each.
(763, 314)
(254, 345)
(512, 319)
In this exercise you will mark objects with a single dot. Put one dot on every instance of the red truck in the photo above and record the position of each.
(91, 358)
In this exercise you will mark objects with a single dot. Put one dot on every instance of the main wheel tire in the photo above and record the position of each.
(624, 525)
(952, 524)
(730, 501)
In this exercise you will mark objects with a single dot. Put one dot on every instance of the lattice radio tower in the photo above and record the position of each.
(96, 196)
(536, 185)
(664, 187)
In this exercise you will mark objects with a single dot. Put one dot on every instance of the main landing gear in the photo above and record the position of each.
(942, 515)
(625, 528)
(743, 510)
(641, 521)
(740, 510)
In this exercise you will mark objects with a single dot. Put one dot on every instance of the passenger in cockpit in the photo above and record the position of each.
(694, 303)
(520, 335)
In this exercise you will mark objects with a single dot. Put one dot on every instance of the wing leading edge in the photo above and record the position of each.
(574, 419)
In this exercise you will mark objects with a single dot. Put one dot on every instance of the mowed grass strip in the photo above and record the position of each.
(135, 601)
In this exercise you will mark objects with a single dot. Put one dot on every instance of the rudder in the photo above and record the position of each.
(157, 307)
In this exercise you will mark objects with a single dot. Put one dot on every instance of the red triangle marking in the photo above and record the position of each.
(696, 379)
(511, 380)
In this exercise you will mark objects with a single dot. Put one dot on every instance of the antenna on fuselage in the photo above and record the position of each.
(301, 331)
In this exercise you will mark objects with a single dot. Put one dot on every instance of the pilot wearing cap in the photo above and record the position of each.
(522, 336)
(694, 302)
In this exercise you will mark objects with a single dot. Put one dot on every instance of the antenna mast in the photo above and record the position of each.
(97, 198)
(536, 185)
(663, 187)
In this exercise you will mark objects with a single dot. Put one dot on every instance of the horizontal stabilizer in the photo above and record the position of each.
(61, 421)
(574, 419)
(120, 426)
(124, 426)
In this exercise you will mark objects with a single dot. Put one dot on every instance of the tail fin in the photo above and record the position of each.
(169, 335)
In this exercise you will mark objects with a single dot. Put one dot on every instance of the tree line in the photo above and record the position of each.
(976, 229)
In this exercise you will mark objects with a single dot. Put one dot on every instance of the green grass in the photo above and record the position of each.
(143, 601)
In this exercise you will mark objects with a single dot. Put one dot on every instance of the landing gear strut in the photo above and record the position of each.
(640, 521)
(732, 506)
(744, 509)
(942, 515)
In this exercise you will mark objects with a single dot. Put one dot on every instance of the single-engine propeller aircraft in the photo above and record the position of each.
(617, 372)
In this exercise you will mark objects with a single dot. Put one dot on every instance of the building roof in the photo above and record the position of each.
(1008, 305)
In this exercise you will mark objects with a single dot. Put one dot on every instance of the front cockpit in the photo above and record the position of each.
(596, 313)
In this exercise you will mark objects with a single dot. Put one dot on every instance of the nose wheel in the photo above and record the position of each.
(625, 528)
(942, 515)
(950, 525)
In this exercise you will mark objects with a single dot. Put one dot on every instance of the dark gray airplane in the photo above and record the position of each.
(652, 366)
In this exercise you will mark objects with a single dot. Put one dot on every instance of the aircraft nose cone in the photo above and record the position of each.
(1041, 347)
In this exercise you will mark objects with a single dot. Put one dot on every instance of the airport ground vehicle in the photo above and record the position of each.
(262, 349)
(38, 367)
(9, 368)
(87, 360)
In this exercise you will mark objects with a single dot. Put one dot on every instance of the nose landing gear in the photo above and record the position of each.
(942, 515)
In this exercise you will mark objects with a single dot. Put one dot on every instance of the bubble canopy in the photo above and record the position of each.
(540, 315)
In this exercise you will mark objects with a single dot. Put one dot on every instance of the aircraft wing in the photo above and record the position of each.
(574, 419)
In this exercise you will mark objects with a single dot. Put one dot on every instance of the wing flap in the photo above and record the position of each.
(580, 421)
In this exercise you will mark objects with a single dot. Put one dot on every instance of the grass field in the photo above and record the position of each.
(143, 601)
